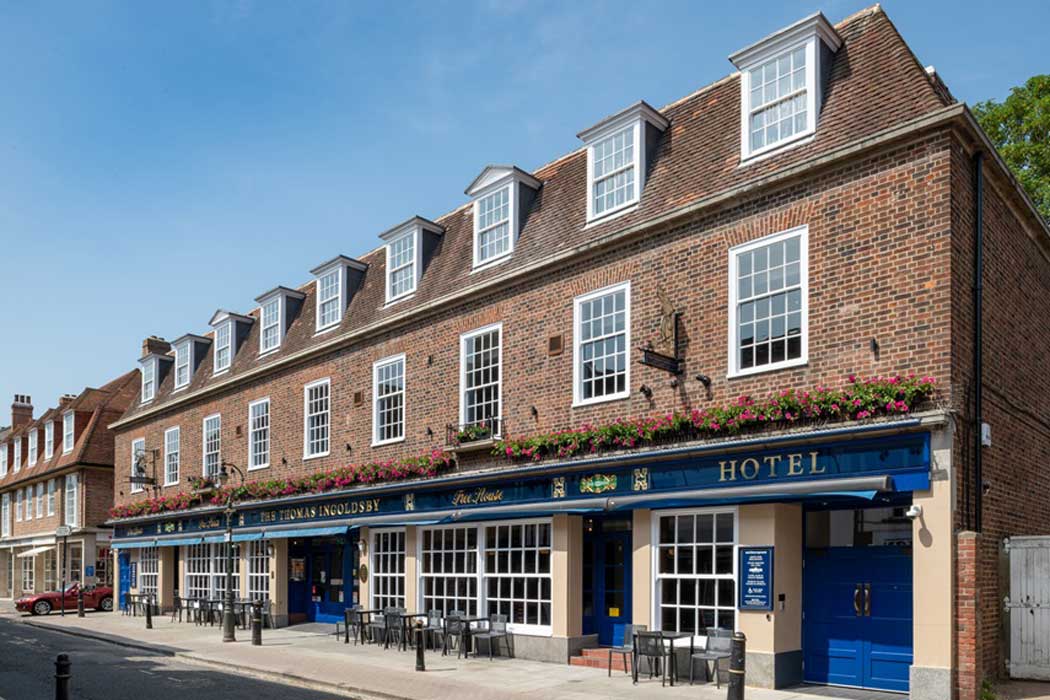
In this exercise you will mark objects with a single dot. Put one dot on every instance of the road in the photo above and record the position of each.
(103, 671)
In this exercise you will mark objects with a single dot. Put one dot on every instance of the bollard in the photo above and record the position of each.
(62, 676)
(257, 623)
(149, 612)
(80, 602)
(736, 667)
(420, 662)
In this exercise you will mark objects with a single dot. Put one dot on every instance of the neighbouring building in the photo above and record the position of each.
(716, 368)
(56, 471)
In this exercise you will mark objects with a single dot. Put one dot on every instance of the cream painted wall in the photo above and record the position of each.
(166, 576)
(642, 568)
(411, 568)
(366, 560)
(567, 576)
(779, 525)
(932, 565)
(279, 577)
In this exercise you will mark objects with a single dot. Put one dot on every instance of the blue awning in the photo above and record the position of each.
(304, 532)
(247, 536)
(132, 545)
(179, 542)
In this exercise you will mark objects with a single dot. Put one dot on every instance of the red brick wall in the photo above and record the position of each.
(878, 267)
(967, 607)
(96, 496)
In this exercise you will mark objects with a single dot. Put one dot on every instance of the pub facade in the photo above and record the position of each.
(708, 371)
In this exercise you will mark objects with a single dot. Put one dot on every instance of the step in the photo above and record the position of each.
(598, 657)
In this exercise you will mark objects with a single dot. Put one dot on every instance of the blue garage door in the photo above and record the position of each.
(857, 629)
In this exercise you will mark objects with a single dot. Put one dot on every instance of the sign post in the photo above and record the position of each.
(756, 578)
(63, 532)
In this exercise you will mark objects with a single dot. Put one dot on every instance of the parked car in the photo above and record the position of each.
(96, 597)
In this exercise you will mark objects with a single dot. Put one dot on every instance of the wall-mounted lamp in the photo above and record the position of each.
(535, 412)
(706, 381)
(362, 546)
(269, 549)
(430, 431)
(646, 391)
(284, 461)
(430, 360)
(874, 344)
(348, 447)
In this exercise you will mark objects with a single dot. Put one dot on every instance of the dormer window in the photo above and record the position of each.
(230, 331)
(502, 196)
(618, 152)
(336, 280)
(149, 379)
(277, 308)
(182, 364)
(405, 248)
(781, 83)
(67, 432)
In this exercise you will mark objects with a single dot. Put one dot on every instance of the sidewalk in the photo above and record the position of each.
(305, 656)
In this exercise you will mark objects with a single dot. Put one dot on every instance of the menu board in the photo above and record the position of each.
(756, 578)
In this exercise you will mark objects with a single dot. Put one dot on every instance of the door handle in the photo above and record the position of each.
(867, 600)
(856, 600)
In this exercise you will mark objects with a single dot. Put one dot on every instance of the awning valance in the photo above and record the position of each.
(36, 550)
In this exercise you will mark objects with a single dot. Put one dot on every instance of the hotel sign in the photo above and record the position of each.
(339, 509)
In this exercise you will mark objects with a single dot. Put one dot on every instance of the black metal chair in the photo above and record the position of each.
(627, 648)
(650, 645)
(352, 622)
(452, 629)
(719, 645)
(176, 608)
(435, 628)
(497, 629)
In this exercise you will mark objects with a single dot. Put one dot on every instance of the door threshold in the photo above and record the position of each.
(854, 692)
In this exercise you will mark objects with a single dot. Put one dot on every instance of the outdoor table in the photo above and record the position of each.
(464, 635)
(668, 636)
(405, 627)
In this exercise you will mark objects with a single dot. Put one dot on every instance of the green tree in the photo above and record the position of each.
(1019, 126)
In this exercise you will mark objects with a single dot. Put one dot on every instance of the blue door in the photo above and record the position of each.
(857, 625)
(124, 578)
(607, 578)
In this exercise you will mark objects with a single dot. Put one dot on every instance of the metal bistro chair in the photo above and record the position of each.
(176, 608)
(719, 645)
(434, 628)
(267, 614)
(650, 645)
(451, 630)
(497, 629)
(392, 629)
(350, 621)
(627, 648)
(375, 628)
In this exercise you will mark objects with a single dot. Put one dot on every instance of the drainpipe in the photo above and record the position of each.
(978, 356)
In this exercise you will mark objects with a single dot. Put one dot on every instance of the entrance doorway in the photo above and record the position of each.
(320, 580)
(857, 598)
(607, 577)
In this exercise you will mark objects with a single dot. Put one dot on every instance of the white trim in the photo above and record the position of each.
(577, 401)
(654, 561)
(152, 363)
(34, 447)
(372, 533)
(340, 272)
(228, 325)
(376, 442)
(269, 433)
(416, 264)
(636, 164)
(511, 184)
(174, 428)
(733, 360)
(67, 445)
(185, 348)
(204, 444)
(49, 439)
(52, 488)
(306, 419)
(463, 338)
(281, 301)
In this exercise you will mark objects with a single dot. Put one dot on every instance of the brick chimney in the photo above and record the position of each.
(66, 399)
(21, 410)
(155, 345)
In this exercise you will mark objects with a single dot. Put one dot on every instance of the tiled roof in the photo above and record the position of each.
(875, 83)
(94, 443)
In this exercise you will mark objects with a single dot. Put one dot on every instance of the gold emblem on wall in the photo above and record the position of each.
(641, 479)
(558, 487)
(598, 483)
(410, 501)
(169, 527)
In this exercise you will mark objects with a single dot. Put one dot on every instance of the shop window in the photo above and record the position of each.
(450, 570)
(76, 562)
(388, 569)
(218, 566)
(28, 575)
(258, 571)
(518, 572)
(206, 571)
(696, 571)
(149, 568)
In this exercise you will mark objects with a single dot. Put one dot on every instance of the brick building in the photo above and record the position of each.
(553, 402)
(57, 470)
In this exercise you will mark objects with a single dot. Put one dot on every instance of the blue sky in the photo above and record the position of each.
(162, 160)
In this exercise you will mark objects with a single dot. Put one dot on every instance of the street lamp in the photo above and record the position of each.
(222, 478)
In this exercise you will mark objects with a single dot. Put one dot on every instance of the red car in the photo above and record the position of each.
(96, 597)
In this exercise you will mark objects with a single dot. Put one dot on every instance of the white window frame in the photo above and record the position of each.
(3, 459)
(40, 499)
(137, 445)
(463, 340)
(34, 447)
(183, 360)
(416, 263)
(277, 323)
(511, 188)
(265, 401)
(802, 232)
(68, 432)
(338, 271)
(226, 327)
(376, 367)
(49, 439)
(27, 500)
(70, 493)
(5, 515)
(374, 570)
(636, 164)
(478, 599)
(51, 487)
(205, 453)
(810, 48)
(149, 380)
(18, 454)
(258, 560)
(577, 377)
(18, 505)
(306, 419)
(654, 534)
(149, 570)
(170, 453)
